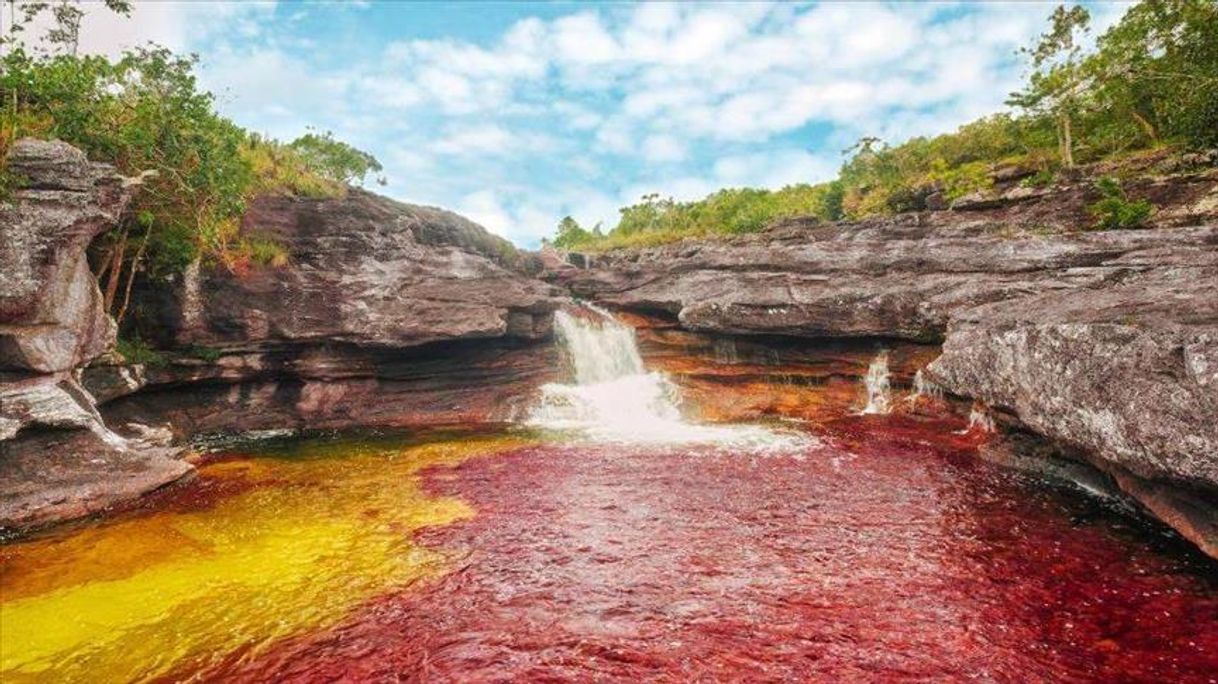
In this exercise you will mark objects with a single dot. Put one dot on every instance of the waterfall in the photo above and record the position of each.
(924, 388)
(879, 398)
(979, 419)
(614, 398)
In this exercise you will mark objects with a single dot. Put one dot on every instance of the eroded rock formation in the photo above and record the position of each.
(1106, 343)
(58, 458)
(365, 270)
(384, 314)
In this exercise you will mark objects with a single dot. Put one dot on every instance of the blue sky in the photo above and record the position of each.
(516, 113)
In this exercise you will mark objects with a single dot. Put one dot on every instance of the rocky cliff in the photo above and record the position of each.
(383, 314)
(58, 458)
(1106, 343)
(1095, 347)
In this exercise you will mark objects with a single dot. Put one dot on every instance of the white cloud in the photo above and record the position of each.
(176, 24)
(582, 113)
(663, 148)
(486, 207)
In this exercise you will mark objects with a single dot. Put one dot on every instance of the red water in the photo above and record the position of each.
(894, 556)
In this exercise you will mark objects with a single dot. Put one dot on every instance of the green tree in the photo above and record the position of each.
(1158, 69)
(1057, 82)
(334, 159)
(570, 234)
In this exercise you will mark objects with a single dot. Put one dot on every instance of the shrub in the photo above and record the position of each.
(208, 354)
(1115, 210)
(135, 350)
(1040, 179)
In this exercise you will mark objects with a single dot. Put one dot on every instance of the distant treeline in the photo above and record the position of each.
(1151, 81)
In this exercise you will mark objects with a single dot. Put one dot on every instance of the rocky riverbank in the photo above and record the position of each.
(1104, 343)
(385, 314)
(1087, 347)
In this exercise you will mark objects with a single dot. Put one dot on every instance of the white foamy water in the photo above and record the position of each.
(924, 388)
(979, 419)
(879, 394)
(614, 398)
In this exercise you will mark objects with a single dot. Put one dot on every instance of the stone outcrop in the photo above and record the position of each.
(1126, 373)
(364, 270)
(902, 278)
(1105, 343)
(384, 314)
(58, 458)
(51, 315)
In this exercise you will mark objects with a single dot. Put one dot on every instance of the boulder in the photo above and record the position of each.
(51, 314)
(58, 459)
(1128, 370)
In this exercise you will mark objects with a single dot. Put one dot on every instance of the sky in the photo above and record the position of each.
(516, 114)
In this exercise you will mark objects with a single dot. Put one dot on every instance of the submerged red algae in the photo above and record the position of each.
(253, 552)
(891, 554)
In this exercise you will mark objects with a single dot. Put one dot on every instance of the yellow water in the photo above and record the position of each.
(299, 540)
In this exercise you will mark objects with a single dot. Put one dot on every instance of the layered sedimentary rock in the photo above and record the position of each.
(1127, 373)
(51, 315)
(1105, 342)
(384, 314)
(366, 270)
(58, 458)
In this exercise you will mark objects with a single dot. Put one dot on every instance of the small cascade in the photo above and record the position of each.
(979, 420)
(614, 398)
(924, 388)
(879, 393)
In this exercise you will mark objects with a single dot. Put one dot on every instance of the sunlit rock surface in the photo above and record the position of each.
(385, 314)
(1103, 342)
(366, 270)
(58, 458)
(51, 314)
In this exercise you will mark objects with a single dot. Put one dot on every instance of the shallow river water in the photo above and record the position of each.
(880, 549)
(612, 539)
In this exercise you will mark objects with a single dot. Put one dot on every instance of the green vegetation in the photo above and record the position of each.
(733, 211)
(1151, 81)
(1115, 210)
(146, 114)
(208, 354)
(335, 160)
(135, 350)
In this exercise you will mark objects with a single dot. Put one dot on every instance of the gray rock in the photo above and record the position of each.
(1103, 342)
(51, 315)
(364, 270)
(58, 459)
(886, 279)
(1127, 370)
